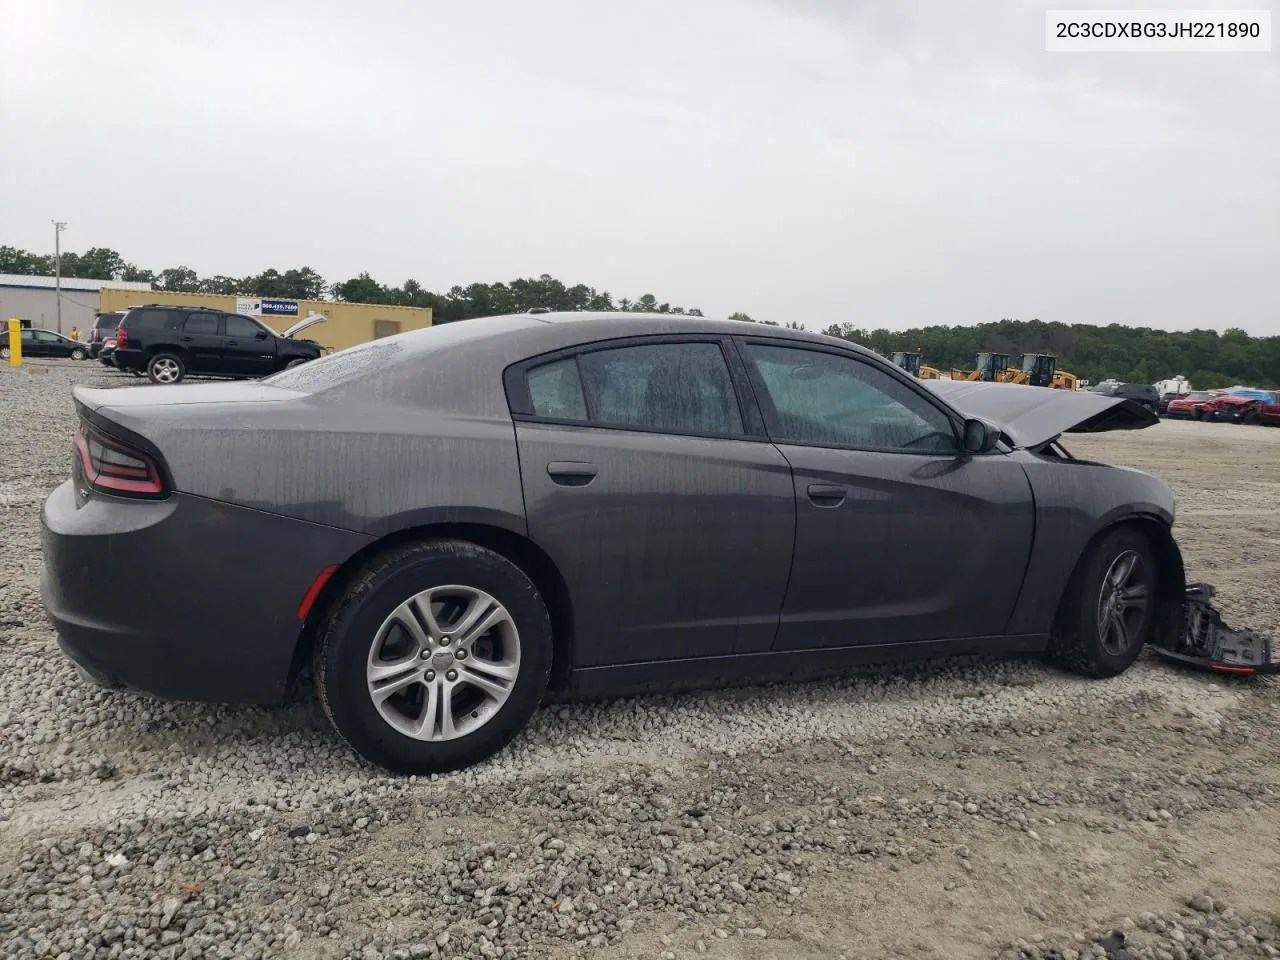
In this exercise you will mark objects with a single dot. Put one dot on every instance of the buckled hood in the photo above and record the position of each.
(1034, 416)
(308, 321)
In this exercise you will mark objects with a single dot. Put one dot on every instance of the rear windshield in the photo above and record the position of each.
(345, 366)
(372, 358)
(1199, 395)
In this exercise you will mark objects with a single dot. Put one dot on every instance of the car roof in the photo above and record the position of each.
(570, 328)
(456, 367)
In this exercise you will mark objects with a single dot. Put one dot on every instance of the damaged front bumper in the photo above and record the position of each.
(1207, 642)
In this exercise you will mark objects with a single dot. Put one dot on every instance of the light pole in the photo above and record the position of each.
(58, 227)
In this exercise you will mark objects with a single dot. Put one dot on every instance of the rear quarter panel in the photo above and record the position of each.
(373, 470)
(1075, 500)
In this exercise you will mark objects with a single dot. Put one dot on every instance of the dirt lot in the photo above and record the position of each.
(955, 810)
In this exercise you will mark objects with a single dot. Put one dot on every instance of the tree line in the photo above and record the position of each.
(1135, 354)
(304, 283)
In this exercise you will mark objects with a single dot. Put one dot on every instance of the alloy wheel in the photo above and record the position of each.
(165, 370)
(443, 663)
(1123, 603)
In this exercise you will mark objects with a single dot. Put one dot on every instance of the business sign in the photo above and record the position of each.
(266, 307)
(279, 308)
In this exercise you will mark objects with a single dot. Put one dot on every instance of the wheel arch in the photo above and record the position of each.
(1170, 571)
(514, 547)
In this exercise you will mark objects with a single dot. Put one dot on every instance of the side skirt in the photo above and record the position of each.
(697, 673)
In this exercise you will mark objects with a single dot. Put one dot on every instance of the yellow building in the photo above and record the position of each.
(348, 323)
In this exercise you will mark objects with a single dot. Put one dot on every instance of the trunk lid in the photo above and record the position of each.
(1034, 416)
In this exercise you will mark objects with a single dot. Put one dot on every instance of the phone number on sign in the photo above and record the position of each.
(1200, 30)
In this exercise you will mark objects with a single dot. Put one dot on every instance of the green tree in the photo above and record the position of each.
(178, 280)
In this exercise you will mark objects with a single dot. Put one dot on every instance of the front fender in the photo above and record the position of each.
(1076, 501)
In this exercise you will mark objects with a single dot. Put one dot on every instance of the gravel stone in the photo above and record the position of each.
(985, 789)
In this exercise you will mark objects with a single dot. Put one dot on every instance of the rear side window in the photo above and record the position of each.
(201, 324)
(555, 391)
(107, 321)
(667, 387)
(154, 318)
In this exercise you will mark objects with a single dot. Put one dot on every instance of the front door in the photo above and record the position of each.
(900, 537)
(248, 350)
(670, 516)
(201, 336)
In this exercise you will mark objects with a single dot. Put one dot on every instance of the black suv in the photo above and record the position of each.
(104, 328)
(167, 343)
(1143, 393)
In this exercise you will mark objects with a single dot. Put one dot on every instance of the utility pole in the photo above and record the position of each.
(58, 227)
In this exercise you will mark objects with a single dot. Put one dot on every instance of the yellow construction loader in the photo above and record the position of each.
(911, 363)
(1041, 370)
(992, 368)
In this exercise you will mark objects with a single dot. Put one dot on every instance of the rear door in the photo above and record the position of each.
(649, 482)
(201, 336)
(248, 350)
(900, 537)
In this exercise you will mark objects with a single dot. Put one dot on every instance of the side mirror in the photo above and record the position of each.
(260, 335)
(980, 436)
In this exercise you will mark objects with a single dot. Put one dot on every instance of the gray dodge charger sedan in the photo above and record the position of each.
(446, 524)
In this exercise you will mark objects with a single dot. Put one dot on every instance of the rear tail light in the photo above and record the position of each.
(122, 337)
(111, 466)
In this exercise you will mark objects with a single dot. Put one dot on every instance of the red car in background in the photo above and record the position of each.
(1196, 405)
(1269, 412)
(1243, 404)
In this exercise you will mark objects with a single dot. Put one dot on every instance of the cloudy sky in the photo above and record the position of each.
(886, 162)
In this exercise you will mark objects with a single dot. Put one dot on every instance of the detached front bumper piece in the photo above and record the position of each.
(1209, 643)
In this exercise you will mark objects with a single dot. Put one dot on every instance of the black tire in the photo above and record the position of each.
(1253, 417)
(160, 363)
(349, 632)
(1078, 643)
(78, 354)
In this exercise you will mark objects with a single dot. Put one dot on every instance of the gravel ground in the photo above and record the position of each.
(952, 810)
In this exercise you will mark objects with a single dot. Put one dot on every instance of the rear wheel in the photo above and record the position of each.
(166, 368)
(1109, 611)
(435, 658)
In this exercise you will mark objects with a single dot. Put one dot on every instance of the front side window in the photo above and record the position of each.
(668, 387)
(243, 327)
(831, 400)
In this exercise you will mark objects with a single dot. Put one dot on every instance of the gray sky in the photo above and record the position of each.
(888, 163)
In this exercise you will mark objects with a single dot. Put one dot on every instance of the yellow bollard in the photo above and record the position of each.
(15, 343)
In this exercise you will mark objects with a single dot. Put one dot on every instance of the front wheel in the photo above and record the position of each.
(78, 354)
(1109, 611)
(435, 657)
(166, 368)
(294, 363)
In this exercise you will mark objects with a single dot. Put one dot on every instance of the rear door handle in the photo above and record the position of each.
(826, 494)
(571, 473)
